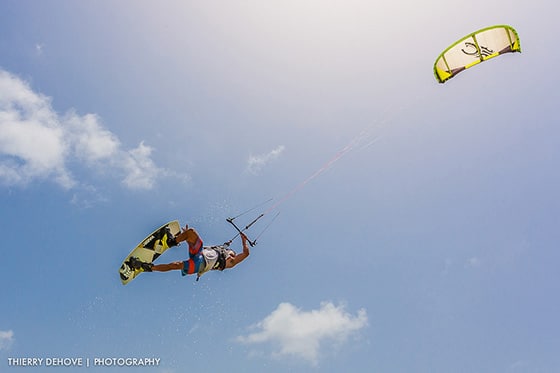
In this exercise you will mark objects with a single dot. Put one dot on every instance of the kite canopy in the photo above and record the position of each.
(475, 48)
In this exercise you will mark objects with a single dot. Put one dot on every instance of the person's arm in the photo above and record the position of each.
(241, 256)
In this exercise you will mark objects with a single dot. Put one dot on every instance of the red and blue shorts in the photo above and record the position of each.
(196, 259)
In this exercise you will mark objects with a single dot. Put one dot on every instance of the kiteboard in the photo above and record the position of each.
(148, 250)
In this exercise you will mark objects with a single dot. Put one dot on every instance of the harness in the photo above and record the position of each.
(217, 263)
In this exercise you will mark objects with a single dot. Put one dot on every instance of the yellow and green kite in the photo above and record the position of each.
(475, 48)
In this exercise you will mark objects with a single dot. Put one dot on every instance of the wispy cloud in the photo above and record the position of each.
(473, 262)
(39, 48)
(36, 143)
(256, 163)
(294, 332)
(6, 339)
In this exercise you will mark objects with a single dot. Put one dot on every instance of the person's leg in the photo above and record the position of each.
(190, 266)
(192, 238)
(167, 267)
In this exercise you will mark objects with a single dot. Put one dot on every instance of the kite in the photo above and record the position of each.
(475, 48)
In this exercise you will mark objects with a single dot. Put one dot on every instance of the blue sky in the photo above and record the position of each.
(430, 246)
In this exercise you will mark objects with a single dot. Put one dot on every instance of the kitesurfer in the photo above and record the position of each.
(201, 258)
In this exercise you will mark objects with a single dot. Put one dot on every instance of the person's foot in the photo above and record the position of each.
(168, 240)
(147, 267)
(135, 263)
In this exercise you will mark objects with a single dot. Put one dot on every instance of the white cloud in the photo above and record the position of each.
(39, 48)
(90, 141)
(257, 162)
(141, 172)
(294, 332)
(473, 262)
(6, 339)
(38, 144)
